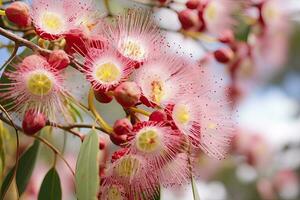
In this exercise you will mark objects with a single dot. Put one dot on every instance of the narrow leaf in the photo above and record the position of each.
(51, 187)
(87, 168)
(195, 190)
(24, 171)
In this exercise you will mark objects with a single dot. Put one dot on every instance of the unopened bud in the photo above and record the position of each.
(33, 122)
(127, 94)
(18, 13)
(192, 4)
(102, 97)
(188, 19)
(59, 59)
(158, 116)
(122, 126)
(224, 55)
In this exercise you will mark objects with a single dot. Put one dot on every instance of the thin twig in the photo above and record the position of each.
(23, 42)
(56, 151)
(12, 56)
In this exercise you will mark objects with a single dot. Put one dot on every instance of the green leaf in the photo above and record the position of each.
(24, 171)
(195, 190)
(51, 187)
(87, 168)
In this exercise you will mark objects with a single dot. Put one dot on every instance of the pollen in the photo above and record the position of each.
(211, 11)
(148, 140)
(39, 83)
(114, 193)
(128, 167)
(52, 22)
(157, 91)
(107, 72)
(133, 49)
(181, 114)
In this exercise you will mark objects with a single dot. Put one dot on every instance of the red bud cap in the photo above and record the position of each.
(118, 140)
(224, 55)
(102, 97)
(18, 13)
(158, 116)
(192, 4)
(59, 59)
(127, 94)
(122, 126)
(33, 122)
(188, 19)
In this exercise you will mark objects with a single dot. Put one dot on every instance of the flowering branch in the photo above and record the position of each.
(12, 56)
(23, 42)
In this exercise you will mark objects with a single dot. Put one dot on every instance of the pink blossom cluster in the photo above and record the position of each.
(127, 60)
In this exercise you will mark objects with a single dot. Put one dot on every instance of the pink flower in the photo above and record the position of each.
(163, 78)
(126, 172)
(175, 173)
(135, 35)
(156, 142)
(206, 121)
(105, 68)
(52, 19)
(34, 85)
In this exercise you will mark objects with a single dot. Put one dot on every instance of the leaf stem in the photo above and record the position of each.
(137, 110)
(108, 129)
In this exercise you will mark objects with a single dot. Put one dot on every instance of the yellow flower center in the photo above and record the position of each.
(211, 11)
(181, 114)
(128, 167)
(39, 83)
(133, 49)
(52, 22)
(114, 194)
(148, 141)
(157, 91)
(107, 72)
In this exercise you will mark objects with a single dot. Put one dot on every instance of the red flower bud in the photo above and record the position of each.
(122, 127)
(158, 116)
(59, 59)
(192, 4)
(118, 139)
(33, 122)
(188, 19)
(18, 13)
(127, 94)
(224, 55)
(102, 97)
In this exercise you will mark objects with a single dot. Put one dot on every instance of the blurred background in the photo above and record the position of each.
(264, 161)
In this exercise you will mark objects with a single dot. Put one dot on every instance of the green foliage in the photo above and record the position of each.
(87, 168)
(24, 170)
(51, 187)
